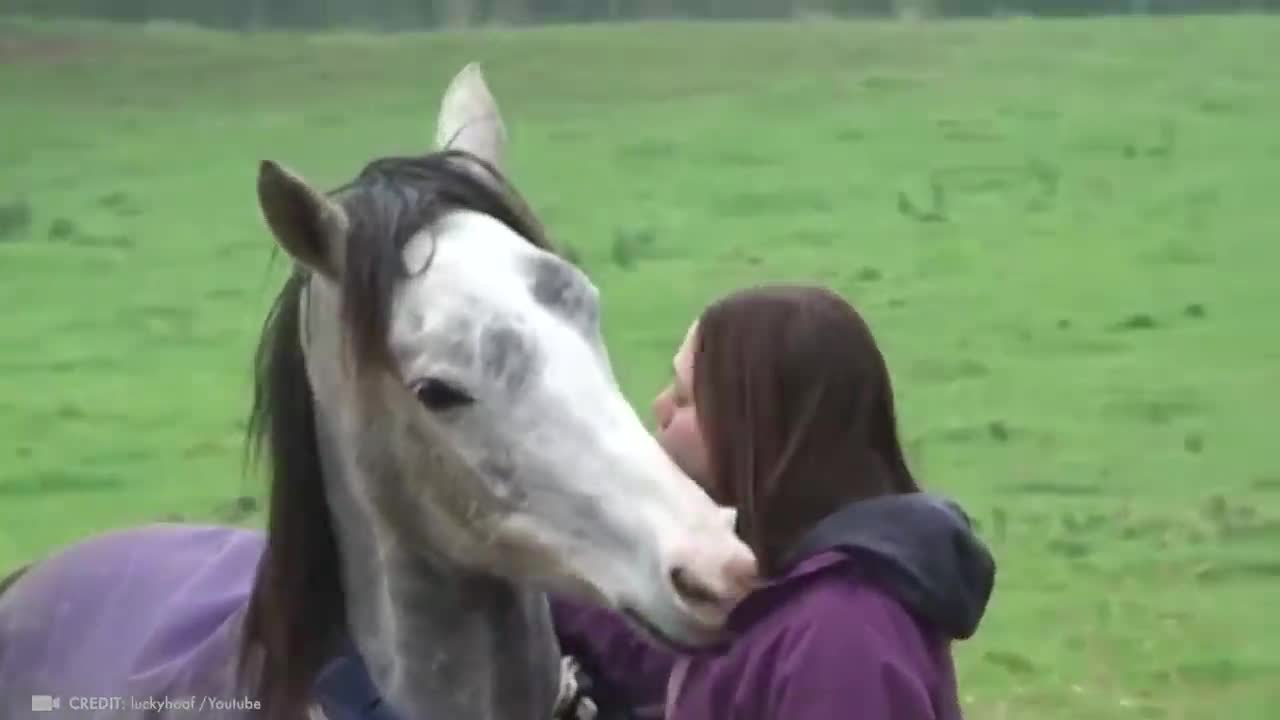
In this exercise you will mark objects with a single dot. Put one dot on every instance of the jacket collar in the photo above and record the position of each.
(764, 597)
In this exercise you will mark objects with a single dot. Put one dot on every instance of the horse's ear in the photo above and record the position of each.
(307, 224)
(469, 118)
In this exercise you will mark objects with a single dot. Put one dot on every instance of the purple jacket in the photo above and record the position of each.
(858, 626)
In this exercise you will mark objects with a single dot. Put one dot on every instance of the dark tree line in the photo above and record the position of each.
(419, 14)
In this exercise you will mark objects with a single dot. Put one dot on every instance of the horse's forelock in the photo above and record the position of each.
(388, 204)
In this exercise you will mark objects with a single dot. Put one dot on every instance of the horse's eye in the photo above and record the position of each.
(439, 395)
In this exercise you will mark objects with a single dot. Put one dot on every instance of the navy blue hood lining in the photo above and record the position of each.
(921, 548)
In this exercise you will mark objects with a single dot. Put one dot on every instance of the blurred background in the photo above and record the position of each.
(434, 14)
(1058, 216)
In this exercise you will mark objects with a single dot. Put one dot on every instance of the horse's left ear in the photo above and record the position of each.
(306, 223)
(469, 118)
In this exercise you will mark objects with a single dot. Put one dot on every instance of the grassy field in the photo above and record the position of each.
(1065, 233)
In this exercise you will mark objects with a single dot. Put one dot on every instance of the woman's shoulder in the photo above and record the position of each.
(833, 607)
(826, 643)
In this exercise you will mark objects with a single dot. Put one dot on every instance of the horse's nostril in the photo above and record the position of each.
(690, 589)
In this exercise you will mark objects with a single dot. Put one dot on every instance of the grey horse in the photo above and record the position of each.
(447, 445)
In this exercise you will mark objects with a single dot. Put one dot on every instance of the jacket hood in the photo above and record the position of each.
(920, 548)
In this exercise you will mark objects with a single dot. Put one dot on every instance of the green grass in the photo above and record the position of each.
(1064, 233)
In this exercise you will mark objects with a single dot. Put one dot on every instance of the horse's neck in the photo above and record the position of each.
(439, 642)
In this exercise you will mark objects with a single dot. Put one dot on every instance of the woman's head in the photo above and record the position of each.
(781, 406)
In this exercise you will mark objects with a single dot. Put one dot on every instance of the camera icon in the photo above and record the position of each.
(45, 703)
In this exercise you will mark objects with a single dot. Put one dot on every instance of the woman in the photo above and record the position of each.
(781, 406)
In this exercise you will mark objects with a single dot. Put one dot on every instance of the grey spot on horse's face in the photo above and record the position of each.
(458, 351)
(564, 289)
(418, 337)
(506, 355)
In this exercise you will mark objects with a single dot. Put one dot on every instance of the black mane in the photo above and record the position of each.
(296, 617)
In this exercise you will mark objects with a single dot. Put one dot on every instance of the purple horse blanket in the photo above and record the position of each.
(139, 623)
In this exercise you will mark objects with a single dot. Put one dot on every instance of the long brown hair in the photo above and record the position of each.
(796, 409)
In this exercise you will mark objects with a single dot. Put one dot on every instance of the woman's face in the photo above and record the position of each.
(677, 415)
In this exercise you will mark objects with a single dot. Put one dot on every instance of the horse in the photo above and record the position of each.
(447, 447)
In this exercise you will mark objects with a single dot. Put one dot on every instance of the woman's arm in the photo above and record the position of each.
(627, 667)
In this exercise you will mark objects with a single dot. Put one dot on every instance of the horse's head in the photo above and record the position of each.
(475, 391)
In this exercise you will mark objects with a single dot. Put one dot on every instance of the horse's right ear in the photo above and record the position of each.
(469, 118)
(307, 224)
